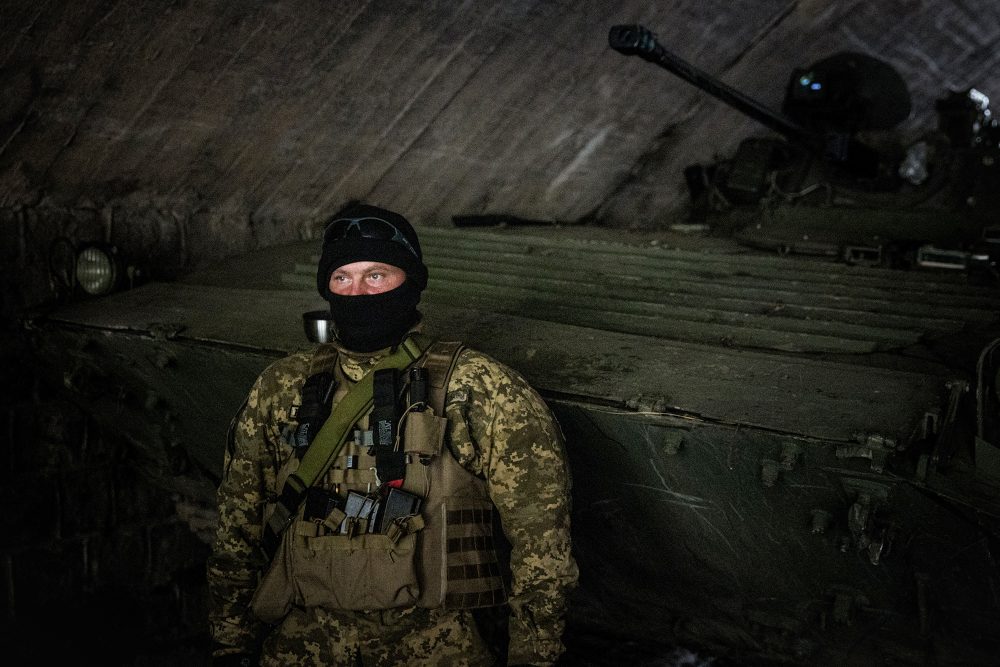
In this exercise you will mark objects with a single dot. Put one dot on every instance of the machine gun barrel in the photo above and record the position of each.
(639, 41)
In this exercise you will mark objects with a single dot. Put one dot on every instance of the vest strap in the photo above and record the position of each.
(439, 362)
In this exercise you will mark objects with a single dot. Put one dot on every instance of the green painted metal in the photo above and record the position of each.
(770, 455)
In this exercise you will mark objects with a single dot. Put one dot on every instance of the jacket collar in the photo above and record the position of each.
(354, 364)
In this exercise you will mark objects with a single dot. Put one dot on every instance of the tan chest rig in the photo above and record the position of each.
(360, 543)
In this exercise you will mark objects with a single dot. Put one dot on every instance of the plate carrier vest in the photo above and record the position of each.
(443, 555)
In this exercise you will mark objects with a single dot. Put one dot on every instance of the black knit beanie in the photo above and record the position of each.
(355, 246)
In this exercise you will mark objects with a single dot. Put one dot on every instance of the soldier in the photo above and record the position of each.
(382, 548)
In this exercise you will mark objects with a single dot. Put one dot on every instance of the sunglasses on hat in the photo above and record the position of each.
(366, 228)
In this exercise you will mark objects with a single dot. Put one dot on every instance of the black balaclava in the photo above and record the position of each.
(370, 322)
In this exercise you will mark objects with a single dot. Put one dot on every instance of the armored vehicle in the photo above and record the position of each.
(776, 460)
(836, 180)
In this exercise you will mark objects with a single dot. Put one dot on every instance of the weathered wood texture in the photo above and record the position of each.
(267, 114)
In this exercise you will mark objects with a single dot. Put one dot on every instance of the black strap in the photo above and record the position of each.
(315, 408)
(390, 463)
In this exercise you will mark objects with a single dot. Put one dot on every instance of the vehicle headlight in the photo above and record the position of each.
(97, 269)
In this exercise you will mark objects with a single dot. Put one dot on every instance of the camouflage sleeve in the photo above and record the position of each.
(517, 446)
(249, 469)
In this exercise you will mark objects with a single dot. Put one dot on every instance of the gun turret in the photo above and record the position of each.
(829, 135)
(635, 40)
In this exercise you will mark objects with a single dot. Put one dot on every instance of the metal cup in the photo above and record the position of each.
(318, 326)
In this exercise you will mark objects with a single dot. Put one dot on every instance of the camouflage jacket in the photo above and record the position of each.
(498, 428)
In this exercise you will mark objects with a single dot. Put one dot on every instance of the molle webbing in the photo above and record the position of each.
(474, 578)
(329, 441)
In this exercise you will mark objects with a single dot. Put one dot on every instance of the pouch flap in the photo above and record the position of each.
(424, 434)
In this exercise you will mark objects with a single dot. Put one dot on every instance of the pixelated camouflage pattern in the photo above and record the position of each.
(499, 429)
(411, 636)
